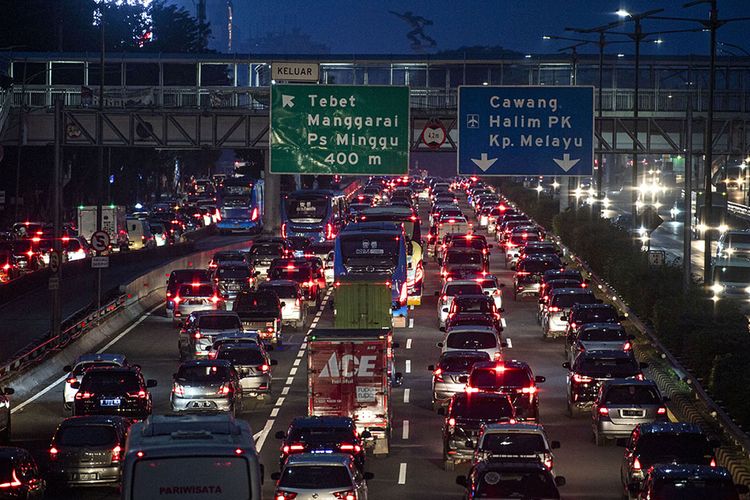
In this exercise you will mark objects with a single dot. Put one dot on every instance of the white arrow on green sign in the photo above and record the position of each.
(339, 129)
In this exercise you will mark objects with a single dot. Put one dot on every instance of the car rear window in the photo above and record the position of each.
(694, 488)
(241, 356)
(471, 340)
(219, 322)
(513, 443)
(631, 394)
(520, 239)
(81, 367)
(234, 272)
(475, 406)
(469, 243)
(196, 291)
(462, 363)
(281, 291)
(598, 315)
(609, 367)
(602, 334)
(570, 299)
(115, 382)
(686, 448)
(463, 258)
(479, 305)
(536, 266)
(465, 289)
(318, 434)
(274, 249)
(491, 377)
(295, 274)
(203, 373)
(85, 435)
(316, 477)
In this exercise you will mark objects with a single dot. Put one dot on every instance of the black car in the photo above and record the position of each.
(678, 443)
(582, 314)
(529, 273)
(689, 482)
(504, 479)
(513, 378)
(19, 474)
(591, 368)
(264, 250)
(232, 278)
(179, 277)
(464, 417)
(113, 391)
(327, 434)
(559, 274)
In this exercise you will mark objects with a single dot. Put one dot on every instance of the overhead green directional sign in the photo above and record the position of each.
(339, 129)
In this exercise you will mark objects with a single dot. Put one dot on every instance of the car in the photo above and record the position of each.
(733, 244)
(538, 248)
(206, 385)
(505, 479)
(473, 338)
(293, 310)
(549, 286)
(113, 390)
(20, 476)
(471, 240)
(464, 417)
(674, 443)
(506, 229)
(194, 297)
(252, 364)
(561, 300)
(480, 304)
(450, 290)
(623, 404)
(261, 313)
(511, 377)
(451, 366)
(5, 426)
(592, 368)
(528, 275)
(492, 287)
(80, 365)
(179, 277)
(463, 259)
(598, 337)
(231, 279)
(311, 280)
(200, 330)
(516, 242)
(583, 314)
(333, 475)
(88, 451)
(673, 482)
(515, 441)
(323, 434)
(475, 319)
(265, 249)
(559, 274)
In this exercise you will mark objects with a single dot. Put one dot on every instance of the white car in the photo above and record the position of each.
(80, 365)
(449, 291)
(519, 441)
(473, 338)
(490, 286)
(293, 310)
(328, 271)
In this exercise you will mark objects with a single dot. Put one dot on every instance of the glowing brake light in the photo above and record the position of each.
(13, 483)
(254, 215)
(581, 379)
(529, 390)
(661, 411)
(438, 374)
(554, 309)
(603, 410)
(636, 464)
(264, 367)
(713, 462)
(350, 447)
(53, 453)
(627, 346)
(139, 395)
(283, 230)
(116, 451)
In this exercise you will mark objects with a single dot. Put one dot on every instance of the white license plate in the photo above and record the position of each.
(89, 476)
(110, 402)
(202, 404)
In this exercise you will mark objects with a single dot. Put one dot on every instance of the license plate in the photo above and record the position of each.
(321, 452)
(195, 302)
(110, 402)
(86, 476)
(633, 413)
(202, 404)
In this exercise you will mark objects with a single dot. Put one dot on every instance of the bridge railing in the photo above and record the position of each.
(257, 98)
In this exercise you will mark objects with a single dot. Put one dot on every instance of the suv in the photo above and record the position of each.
(264, 250)
(516, 242)
(473, 338)
(513, 378)
(582, 314)
(560, 274)
(663, 443)
(206, 385)
(464, 417)
(504, 479)
(591, 368)
(87, 451)
(529, 272)
(549, 287)
(200, 330)
(467, 260)
(330, 475)
(252, 364)
(450, 290)
(260, 312)
(293, 312)
(623, 404)
(107, 390)
(561, 300)
(195, 297)
(599, 337)
(228, 257)
(80, 365)
(325, 434)
(451, 366)
(517, 441)
(673, 482)
(304, 275)
(179, 277)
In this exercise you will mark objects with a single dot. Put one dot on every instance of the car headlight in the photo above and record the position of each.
(723, 228)
(717, 288)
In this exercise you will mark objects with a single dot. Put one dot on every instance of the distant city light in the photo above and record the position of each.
(528, 56)
(658, 41)
(623, 13)
(620, 55)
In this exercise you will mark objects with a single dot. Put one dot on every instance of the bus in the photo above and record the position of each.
(316, 214)
(414, 249)
(241, 205)
(370, 250)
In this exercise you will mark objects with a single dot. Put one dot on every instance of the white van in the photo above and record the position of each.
(191, 457)
(139, 234)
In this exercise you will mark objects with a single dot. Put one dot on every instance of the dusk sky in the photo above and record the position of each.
(366, 26)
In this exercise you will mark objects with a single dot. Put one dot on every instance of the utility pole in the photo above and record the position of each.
(100, 140)
(637, 36)
(600, 115)
(687, 277)
(56, 274)
(709, 141)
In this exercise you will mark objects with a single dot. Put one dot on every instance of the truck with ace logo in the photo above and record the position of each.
(348, 372)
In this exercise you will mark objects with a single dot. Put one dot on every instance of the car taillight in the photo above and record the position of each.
(627, 346)
(264, 367)
(548, 462)
(285, 495)
(254, 215)
(283, 234)
(661, 411)
(636, 464)
(13, 483)
(522, 273)
(573, 324)
(224, 390)
(346, 495)
(529, 390)
(581, 379)
(451, 424)
(215, 299)
(53, 453)
(138, 395)
(176, 299)
(178, 390)
(116, 451)
(329, 231)
(350, 448)
(438, 374)
(84, 395)
(713, 462)
(197, 335)
(603, 410)
(72, 380)
(293, 448)
(554, 309)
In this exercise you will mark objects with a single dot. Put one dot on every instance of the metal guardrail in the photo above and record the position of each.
(74, 327)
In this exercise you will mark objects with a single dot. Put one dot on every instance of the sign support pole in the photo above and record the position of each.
(272, 216)
(100, 167)
(56, 317)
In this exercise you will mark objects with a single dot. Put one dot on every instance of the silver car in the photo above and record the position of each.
(195, 297)
(293, 310)
(624, 403)
(600, 337)
(252, 364)
(473, 338)
(202, 328)
(309, 476)
(515, 442)
(88, 451)
(450, 368)
(206, 385)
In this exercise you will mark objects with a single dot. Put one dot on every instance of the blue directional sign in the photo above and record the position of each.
(526, 131)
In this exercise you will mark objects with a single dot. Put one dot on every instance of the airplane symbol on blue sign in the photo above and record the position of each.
(472, 121)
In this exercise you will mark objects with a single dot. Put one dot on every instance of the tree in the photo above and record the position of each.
(175, 30)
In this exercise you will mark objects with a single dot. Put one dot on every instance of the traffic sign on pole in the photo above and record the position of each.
(100, 262)
(54, 261)
(518, 131)
(100, 241)
(339, 129)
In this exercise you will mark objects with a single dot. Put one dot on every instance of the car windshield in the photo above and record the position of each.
(597, 366)
(502, 377)
(686, 448)
(85, 435)
(219, 322)
(463, 289)
(234, 272)
(241, 356)
(602, 334)
(474, 406)
(189, 276)
(273, 249)
(316, 477)
(464, 258)
(597, 315)
(732, 274)
(506, 484)
(513, 443)
(462, 363)
(106, 382)
(320, 434)
(478, 305)
(306, 209)
(471, 340)
(203, 373)
(631, 395)
(570, 299)
(694, 489)
(196, 291)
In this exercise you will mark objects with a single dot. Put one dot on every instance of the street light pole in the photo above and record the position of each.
(637, 36)
(600, 115)
(100, 139)
(709, 141)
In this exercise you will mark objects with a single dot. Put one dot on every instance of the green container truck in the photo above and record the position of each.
(362, 303)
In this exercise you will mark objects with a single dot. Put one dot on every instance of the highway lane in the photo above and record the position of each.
(414, 468)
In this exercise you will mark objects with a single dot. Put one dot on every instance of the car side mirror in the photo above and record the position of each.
(643, 365)
(151, 383)
(368, 476)
(431, 368)
(441, 411)
(566, 365)
(502, 285)
(502, 309)
(554, 445)
(539, 379)
(280, 435)
(461, 481)
(559, 481)
(503, 344)
(8, 391)
(208, 348)
(276, 476)
(486, 292)
(439, 344)
(67, 368)
(463, 379)
(75, 385)
(274, 362)
(366, 435)
(256, 273)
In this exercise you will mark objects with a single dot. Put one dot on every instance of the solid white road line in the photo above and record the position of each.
(509, 342)
(408, 343)
(407, 368)
(406, 395)
(263, 435)
(402, 473)
(405, 432)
